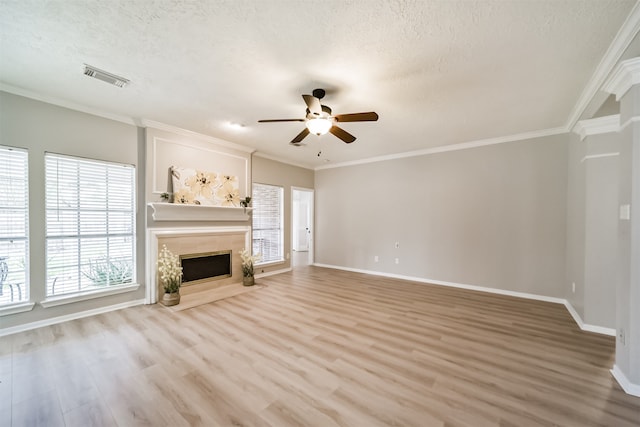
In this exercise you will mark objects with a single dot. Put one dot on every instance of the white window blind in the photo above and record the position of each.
(90, 221)
(268, 237)
(14, 226)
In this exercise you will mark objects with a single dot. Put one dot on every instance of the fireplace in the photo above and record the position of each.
(200, 267)
(202, 242)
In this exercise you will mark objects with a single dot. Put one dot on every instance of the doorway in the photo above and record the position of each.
(301, 226)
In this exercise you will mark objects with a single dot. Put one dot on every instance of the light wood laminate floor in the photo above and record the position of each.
(318, 347)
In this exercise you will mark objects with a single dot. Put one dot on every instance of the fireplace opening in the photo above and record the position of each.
(197, 268)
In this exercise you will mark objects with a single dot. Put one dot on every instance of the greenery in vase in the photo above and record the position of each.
(170, 270)
(245, 202)
(247, 262)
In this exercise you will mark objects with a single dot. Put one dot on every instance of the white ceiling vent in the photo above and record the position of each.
(105, 76)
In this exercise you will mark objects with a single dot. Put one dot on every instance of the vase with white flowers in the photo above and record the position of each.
(170, 273)
(247, 267)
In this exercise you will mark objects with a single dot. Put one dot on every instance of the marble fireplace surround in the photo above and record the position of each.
(191, 240)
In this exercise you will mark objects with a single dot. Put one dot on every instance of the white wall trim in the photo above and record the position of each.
(599, 156)
(616, 49)
(156, 188)
(191, 134)
(16, 308)
(627, 386)
(574, 314)
(66, 318)
(99, 293)
(623, 77)
(586, 327)
(452, 147)
(273, 273)
(597, 126)
(449, 284)
(629, 121)
(280, 160)
(66, 104)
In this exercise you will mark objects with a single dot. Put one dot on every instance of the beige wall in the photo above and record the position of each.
(39, 128)
(492, 216)
(271, 172)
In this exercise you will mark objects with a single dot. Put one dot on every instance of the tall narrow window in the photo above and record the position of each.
(14, 226)
(267, 222)
(90, 224)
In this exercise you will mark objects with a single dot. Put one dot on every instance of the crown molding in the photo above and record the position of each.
(599, 156)
(625, 75)
(184, 132)
(618, 46)
(453, 147)
(597, 126)
(280, 160)
(65, 104)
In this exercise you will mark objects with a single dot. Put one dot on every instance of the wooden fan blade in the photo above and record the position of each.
(313, 104)
(357, 117)
(280, 120)
(300, 136)
(342, 134)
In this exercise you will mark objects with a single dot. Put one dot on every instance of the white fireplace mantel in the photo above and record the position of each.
(178, 212)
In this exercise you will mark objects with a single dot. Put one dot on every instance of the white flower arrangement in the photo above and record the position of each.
(247, 262)
(170, 270)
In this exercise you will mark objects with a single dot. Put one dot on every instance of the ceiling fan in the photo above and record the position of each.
(320, 121)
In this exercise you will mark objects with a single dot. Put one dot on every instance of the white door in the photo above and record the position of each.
(302, 221)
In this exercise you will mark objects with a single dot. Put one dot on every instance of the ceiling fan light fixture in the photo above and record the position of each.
(319, 126)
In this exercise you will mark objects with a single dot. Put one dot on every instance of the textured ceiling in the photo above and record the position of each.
(437, 72)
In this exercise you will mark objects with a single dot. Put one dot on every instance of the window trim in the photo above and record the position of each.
(15, 308)
(54, 301)
(25, 303)
(83, 295)
(281, 260)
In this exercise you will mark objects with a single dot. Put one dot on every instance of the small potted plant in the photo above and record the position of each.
(165, 196)
(247, 267)
(245, 202)
(171, 276)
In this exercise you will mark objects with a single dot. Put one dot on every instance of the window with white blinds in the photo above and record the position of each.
(14, 226)
(268, 209)
(90, 218)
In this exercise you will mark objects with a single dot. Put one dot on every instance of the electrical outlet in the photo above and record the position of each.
(573, 287)
(397, 245)
(376, 259)
(397, 260)
(621, 336)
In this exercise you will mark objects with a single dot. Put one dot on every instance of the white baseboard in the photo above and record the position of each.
(586, 327)
(272, 273)
(572, 311)
(627, 386)
(67, 317)
(450, 284)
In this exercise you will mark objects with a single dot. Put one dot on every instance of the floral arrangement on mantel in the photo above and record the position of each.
(170, 270)
(247, 266)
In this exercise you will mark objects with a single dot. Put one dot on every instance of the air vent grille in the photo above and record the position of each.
(105, 76)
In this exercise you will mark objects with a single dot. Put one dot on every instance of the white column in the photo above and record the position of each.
(625, 84)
